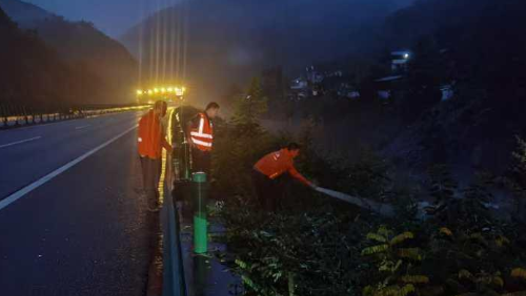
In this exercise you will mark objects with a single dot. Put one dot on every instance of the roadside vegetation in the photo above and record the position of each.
(316, 245)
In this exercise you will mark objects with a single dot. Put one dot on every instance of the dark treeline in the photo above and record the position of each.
(50, 64)
(32, 73)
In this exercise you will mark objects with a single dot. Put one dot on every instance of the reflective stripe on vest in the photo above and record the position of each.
(202, 143)
(202, 136)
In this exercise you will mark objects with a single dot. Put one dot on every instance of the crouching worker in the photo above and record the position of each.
(151, 140)
(269, 168)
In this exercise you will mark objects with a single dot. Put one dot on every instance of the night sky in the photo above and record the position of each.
(111, 16)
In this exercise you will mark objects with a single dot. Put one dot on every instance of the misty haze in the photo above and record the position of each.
(265, 148)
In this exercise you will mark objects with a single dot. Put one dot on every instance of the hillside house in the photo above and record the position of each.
(299, 84)
(386, 85)
(313, 75)
(399, 60)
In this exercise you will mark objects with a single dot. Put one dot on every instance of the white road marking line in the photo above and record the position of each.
(20, 142)
(82, 127)
(20, 193)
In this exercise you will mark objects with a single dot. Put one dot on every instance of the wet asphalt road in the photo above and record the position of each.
(85, 232)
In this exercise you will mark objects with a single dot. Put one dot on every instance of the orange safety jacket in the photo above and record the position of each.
(151, 136)
(277, 163)
(202, 134)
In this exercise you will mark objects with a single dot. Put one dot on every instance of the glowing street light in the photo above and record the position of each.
(179, 91)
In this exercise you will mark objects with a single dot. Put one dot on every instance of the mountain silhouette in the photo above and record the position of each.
(229, 41)
(80, 45)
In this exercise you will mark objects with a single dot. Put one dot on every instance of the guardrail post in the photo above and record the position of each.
(199, 194)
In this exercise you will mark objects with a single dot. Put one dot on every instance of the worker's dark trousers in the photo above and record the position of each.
(151, 175)
(267, 191)
(201, 161)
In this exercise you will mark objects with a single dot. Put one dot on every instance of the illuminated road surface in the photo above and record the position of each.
(83, 232)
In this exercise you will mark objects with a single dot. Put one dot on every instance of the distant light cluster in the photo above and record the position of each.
(178, 91)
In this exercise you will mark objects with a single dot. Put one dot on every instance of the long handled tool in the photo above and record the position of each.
(382, 209)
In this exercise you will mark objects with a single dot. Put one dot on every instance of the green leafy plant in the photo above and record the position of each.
(393, 262)
(316, 246)
(240, 142)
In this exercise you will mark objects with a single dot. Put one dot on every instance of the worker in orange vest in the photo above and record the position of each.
(269, 168)
(151, 140)
(200, 132)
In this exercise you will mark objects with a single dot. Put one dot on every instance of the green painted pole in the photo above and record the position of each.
(200, 223)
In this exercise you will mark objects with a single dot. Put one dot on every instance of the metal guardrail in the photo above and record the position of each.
(186, 273)
(174, 283)
(26, 119)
